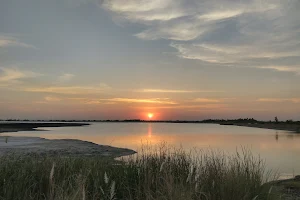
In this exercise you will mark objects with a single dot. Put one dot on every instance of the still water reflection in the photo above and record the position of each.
(280, 149)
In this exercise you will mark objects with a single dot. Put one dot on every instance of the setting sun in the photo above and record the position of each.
(150, 115)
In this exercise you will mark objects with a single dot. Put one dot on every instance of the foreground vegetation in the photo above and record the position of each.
(163, 173)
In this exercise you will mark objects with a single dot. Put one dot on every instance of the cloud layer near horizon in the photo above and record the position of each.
(254, 33)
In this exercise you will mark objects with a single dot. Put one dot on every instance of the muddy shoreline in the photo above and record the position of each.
(15, 127)
(62, 147)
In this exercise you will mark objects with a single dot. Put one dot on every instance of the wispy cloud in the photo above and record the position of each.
(109, 101)
(52, 99)
(7, 41)
(131, 100)
(66, 77)
(97, 102)
(206, 106)
(145, 10)
(175, 91)
(151, 100)
(219, 15)
(279, 100)
(294, 69)
(70, 89)
(205, 100)
(221, 32)
(15, 75)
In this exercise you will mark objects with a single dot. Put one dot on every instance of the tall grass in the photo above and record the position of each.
(161, 173)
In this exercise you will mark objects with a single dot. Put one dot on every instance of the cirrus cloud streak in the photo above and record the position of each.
(250, 33)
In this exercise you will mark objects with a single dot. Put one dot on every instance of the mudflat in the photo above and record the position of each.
(63, 147)
(15, 127)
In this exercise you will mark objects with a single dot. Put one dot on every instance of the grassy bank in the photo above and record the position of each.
(164, 173)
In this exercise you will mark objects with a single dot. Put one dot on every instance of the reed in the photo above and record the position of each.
(163, 172)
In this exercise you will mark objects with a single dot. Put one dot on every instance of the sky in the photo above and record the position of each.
(177, 59)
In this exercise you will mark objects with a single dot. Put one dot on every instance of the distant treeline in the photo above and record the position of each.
(214, 121)
(247, 120)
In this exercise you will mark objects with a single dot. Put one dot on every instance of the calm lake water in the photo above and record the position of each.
(280, 149)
